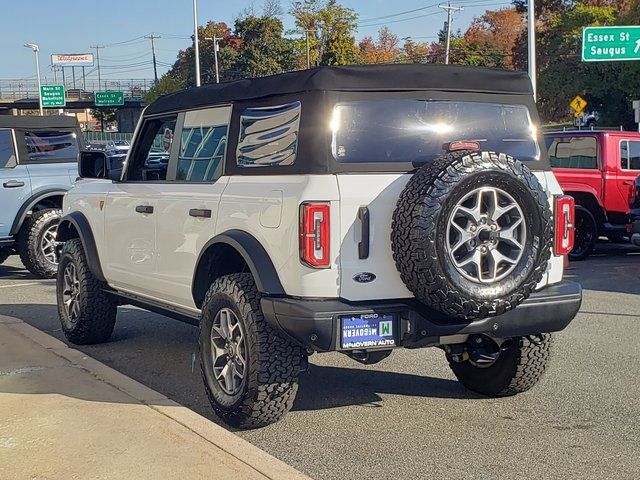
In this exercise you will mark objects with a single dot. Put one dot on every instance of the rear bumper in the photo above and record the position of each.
(315, 323)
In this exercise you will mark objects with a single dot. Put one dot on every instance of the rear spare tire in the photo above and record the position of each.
(472, 234)
(36, 242)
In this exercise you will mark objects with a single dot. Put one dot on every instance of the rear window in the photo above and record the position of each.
(416, 131)
(51, 145)
(573, 152)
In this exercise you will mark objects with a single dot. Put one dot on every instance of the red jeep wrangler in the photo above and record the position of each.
(598, 168)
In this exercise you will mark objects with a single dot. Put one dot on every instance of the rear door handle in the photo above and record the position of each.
(363, 246)
(628, 182)
(144, 209)
(13, 184)
(200, 212)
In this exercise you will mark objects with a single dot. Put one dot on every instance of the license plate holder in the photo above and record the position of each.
(367, 331)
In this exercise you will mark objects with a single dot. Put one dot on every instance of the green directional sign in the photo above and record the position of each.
(610, 44)
(109, 98)
(52, 96)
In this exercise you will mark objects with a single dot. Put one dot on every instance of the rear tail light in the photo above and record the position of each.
(315, 229)
(565, 215)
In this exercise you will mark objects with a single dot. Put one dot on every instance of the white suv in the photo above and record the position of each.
(351, 209)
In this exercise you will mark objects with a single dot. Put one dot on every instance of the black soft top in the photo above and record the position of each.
(33, 121)
(355, 78)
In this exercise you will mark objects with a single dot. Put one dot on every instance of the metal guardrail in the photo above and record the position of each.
(83, 89)
(101, 138)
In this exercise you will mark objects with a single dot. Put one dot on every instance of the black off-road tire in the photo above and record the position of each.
(586, 234)
(419, 226)
(4, 254)
(273, 362)
(516, 370)
(98, 310)
(29, 240)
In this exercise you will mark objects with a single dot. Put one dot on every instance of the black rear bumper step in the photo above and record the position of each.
(314, 323)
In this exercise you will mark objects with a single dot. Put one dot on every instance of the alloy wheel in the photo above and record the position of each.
(228, 351)
(486, 234)
(49, 244)
(71, 292)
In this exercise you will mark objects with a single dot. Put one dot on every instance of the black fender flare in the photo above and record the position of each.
(29, 204)
(79, 222)
(254, 255)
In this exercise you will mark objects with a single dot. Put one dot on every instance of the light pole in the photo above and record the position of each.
(215, 55)
(36, 51)
(531, 33)
(196, 48)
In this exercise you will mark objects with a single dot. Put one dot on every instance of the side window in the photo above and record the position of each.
(7, 153)
(268, 136)
(574, 152)
(150, 160)
(630, 155)
(203, 144)
(51, 145)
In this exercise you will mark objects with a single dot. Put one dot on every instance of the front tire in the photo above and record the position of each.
(250, 371)
(87, 314)
(517, 369)
(586, 234)
(36, 243)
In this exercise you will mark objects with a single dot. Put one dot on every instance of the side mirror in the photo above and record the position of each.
(93, 164)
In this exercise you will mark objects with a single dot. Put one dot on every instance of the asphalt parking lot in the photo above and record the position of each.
(407, 417)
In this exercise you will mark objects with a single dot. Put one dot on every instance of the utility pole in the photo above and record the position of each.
(449, 10)
(152, 37)
(531, 34)
(97, 47)
(196, 47)
(215, 39)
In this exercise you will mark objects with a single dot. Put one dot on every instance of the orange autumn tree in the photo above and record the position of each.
(493, 36)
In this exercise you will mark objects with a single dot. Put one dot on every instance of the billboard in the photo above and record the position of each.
(72, 59)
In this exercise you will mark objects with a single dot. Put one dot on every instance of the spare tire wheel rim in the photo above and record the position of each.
(486, 235)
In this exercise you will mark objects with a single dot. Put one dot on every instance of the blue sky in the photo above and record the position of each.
(71, 26)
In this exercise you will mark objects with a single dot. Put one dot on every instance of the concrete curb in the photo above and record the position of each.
(221, 438)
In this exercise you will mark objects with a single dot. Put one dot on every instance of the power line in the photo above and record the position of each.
(366, 20)
(400, 20)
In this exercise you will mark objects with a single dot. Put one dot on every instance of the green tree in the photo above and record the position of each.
(263, 50)
(168, 83)
(331, 29)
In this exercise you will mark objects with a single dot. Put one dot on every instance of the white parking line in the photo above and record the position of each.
(41, 282)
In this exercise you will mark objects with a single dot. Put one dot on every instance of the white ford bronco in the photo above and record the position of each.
(351, 209)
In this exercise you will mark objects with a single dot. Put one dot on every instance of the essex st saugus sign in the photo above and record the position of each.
(610, 44)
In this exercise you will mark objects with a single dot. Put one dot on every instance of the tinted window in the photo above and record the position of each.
(51, 145)
(203, 144)
(630, 155)
(151, 158)
(7, 155)
(268, 136)
(573, 152)
(416, 130)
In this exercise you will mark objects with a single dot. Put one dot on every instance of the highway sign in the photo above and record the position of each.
(610, 44)
(578, 104)
(52, 96)
(110, 98)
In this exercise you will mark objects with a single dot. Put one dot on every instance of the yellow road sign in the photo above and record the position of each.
(578, 104)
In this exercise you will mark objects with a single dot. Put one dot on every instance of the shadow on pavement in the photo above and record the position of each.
(9, 272)
(613, 267)
(160, 353)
